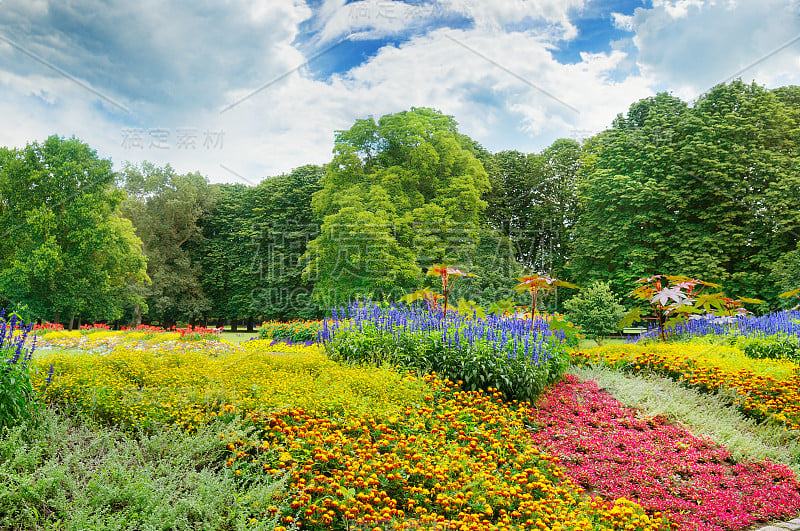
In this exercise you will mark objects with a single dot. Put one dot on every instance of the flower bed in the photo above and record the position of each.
(519, 358)
(463, 461)
(766, 389)
(359, 446)
(785, 322)
(603, 445)
(298, 331)
(186, 384)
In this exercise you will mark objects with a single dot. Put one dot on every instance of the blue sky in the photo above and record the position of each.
(243, 90)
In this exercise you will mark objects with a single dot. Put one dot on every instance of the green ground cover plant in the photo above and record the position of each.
(67, 472)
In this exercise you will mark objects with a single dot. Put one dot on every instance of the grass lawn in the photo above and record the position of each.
(238, 337)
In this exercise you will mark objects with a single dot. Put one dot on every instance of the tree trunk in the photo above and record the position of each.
(234, 324)
(78, 324)
(250, 323)
(220, 322)
(137, 316)
(71, 321)
(57, 317)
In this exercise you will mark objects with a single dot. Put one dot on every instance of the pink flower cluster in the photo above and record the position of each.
(692, 481)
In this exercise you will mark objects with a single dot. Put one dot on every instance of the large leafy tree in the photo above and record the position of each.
(65, 249)
(166, 209)
(533, 201)
(253, 248)
(225, 252)
(400, 194)
(283, 225)
(707, 191)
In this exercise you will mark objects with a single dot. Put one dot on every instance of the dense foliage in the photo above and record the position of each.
(705, 190)
(400, 194)
(292, 331)
(65, 249)
(596, 310)
(166, 209)
(777, 347)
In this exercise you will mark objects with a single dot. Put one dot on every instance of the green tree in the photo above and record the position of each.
(400, 194)
(494, 263)
(166, 209)
(284, 224)
(597, 310)
(226, 250)
(624, 227)
(705, 191)
(252, 256)
(65, 250)
(533, 201)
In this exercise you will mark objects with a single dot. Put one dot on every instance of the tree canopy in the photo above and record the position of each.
(400, 194)
(708, 190)
(166, 209)
(66, 249)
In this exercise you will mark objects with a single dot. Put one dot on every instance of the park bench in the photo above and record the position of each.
(634, 330)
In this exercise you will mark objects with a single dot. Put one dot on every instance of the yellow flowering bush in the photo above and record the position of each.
(58, 334)
(266, 345)
(181, 384)
(766, 388)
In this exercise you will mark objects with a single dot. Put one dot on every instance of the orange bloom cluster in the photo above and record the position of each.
(463, 460)
(760, 395)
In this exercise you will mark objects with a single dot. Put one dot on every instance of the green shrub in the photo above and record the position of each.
(516, 375)
(597, 310)
(777, 347)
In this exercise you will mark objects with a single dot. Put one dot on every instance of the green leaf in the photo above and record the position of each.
(630, 318)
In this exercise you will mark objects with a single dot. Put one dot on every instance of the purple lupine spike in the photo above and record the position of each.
(49, 377)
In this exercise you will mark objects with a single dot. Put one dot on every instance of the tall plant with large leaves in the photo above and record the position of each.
(675, 298)
(538, 286)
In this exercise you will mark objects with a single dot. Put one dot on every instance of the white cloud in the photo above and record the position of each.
(680, 8)
(504, 86)
(372, 19)
(623, 22)
(692, 45)
(292, 121)
(501, 13)
(295, 120)
(381, 18)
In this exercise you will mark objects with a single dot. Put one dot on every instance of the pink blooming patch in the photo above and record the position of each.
(692, 481)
